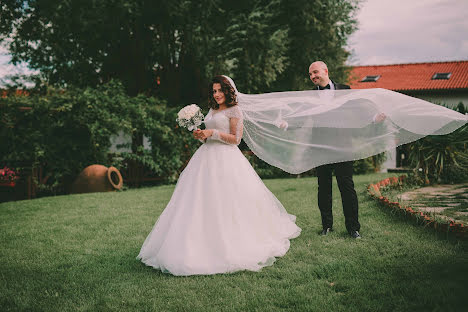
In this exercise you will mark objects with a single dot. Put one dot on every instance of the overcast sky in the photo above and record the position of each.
(394, 32)
(410, 31)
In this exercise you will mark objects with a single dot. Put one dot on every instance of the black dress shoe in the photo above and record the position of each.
(326, 231)
(355, 234)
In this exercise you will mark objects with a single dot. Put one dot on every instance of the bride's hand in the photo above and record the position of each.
(202, 134)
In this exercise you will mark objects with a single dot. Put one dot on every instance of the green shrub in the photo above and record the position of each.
(370, 164)
(63, 132)
(363, 166)
(266, 171)
(442, 159)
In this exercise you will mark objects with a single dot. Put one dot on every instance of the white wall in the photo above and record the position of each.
(390, 162)
(123, 138)
(451, 100)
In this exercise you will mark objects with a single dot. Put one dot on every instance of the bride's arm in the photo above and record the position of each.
(236, 127)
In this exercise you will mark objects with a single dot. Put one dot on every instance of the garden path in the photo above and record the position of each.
(447, 201)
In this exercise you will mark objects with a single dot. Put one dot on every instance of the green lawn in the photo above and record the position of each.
(77, 252)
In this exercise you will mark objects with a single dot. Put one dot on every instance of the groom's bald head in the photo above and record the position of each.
(321, 64)
(318, 73)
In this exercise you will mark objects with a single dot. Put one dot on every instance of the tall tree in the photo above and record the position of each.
(253, 46)
(172, 47)
(317, 30)
(89, 42)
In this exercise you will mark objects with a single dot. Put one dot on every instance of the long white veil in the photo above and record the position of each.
(300, 130)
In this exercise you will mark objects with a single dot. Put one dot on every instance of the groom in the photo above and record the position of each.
(318, 73)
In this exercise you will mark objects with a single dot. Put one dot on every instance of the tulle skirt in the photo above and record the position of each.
(221, 218)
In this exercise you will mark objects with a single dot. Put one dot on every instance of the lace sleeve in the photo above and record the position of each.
(236, 126)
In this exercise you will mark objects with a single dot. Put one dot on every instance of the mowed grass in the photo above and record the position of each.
(77, 253)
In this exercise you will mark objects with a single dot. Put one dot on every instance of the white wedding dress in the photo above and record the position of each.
(221, 217)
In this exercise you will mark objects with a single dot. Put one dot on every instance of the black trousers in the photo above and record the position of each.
(344, 177)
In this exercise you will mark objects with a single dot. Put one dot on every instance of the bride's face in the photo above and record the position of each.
(218, 94)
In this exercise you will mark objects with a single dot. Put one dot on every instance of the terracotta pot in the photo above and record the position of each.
(97, 178)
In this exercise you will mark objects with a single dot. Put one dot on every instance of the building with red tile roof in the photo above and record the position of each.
(438, 82)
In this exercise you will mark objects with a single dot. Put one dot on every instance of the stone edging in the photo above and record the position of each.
(375, 192)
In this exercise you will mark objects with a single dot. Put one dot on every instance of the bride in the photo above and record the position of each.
(221, 218)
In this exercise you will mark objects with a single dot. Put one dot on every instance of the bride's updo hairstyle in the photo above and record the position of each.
(228, 90)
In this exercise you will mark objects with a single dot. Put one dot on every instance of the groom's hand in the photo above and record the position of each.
(282, 124)
(380, 117)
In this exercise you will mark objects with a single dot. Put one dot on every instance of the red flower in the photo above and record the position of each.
(7, 175)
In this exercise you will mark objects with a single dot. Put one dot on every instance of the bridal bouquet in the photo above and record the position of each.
(190, 117)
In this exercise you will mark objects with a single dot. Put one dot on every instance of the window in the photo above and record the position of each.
(370, 78)
(440, 76)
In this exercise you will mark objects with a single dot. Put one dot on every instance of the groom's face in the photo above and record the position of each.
(318, 74)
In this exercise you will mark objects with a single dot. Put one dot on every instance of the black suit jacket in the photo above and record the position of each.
(343, 135)
(369, 110)
(338, 86)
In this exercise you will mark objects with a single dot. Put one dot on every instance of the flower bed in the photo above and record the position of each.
(375, 191)
(8, 177)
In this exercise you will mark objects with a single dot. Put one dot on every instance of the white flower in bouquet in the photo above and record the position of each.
(190, 117)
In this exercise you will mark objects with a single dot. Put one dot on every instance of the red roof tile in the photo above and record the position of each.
(416, 76)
